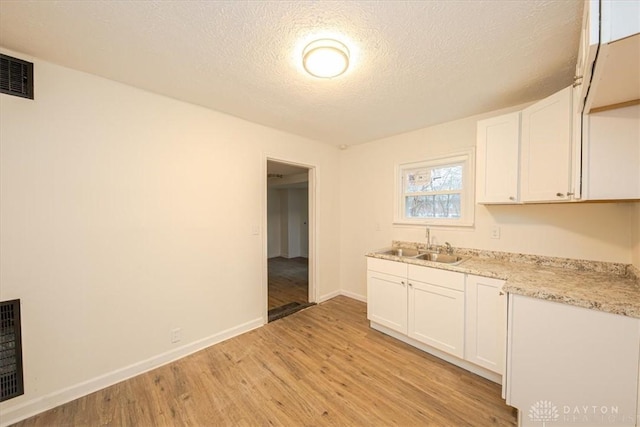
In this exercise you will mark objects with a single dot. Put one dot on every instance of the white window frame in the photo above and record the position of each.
(467, 202)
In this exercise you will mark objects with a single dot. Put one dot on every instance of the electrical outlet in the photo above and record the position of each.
(495, 232)
(176, 335)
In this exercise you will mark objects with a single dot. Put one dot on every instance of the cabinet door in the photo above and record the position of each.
(498, 157)
(486, 323)
(546, 149)
(611, 158)
(436, 317)
(387, 300)
(572, 357)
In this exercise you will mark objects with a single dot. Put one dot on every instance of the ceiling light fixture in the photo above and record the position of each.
(325, 58)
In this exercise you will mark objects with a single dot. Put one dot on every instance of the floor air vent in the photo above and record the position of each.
(16, 77)
(11, 382)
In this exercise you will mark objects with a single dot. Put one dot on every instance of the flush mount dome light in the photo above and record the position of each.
(325, 58)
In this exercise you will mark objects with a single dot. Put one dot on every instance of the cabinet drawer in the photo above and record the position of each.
(434, 276)
(388, 267)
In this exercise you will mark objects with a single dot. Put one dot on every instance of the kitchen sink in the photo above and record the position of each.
(442, 258)
(404, 252)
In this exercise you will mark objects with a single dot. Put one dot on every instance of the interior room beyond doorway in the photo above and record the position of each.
(288, 238)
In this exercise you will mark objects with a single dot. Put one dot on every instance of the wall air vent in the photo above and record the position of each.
(16, 77)
(11, 380)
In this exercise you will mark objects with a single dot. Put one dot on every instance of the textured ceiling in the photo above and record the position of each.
(414, 63)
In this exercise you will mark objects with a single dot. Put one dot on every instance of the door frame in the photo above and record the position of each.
(311, 225)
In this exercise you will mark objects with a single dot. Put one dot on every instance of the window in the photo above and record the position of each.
(437, 191)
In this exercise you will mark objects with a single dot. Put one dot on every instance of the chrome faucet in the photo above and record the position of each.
(428, 235)
(448, 248)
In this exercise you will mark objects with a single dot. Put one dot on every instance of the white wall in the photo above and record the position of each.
(635, 254)
(303, 227)
(585, 231)
(125, 214)
(297, 208)
(288, 220)
(284, 223)
(274, 248)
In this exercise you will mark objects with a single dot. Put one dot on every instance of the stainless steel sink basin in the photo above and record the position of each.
(409, 253)
(442, 258)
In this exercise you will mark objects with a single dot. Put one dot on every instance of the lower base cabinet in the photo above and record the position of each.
(565, 365)
(387, 294)
(436, 308)
(486, 323)
(444, 312)
(571, 366)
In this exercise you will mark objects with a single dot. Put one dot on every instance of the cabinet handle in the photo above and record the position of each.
(576, 84)
(410, 285)
(576, 78)
(570, 194)
(501, 293)
(402, 283)
(512, 198)
(560, 194)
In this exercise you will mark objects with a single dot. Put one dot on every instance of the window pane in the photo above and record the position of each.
(438, 206)
(433, 179)
(417, 180)
(446, 178)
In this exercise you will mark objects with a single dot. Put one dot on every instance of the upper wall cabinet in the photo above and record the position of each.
(498, 158)
(582, 143)
(611, 154)
(546, 154)
(589, 43)
(609, 59)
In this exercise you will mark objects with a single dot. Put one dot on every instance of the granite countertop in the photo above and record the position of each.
(608, 287)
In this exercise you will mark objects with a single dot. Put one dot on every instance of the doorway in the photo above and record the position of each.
(288, 249)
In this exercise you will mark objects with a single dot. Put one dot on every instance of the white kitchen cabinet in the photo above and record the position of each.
(579, 365)
(498, 159)
(570, 150)
(611, 154)
(576, 147)
(486, 323)
(546, 155)
(425, 307)
(612, 62)
(436, 308)
(588, 48)
(620, 19)
(387, 293)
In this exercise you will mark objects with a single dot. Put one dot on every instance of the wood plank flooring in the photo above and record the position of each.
(321, 366)
(288, 281)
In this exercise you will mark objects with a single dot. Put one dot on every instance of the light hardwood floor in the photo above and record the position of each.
(288, 281)
(320, 366)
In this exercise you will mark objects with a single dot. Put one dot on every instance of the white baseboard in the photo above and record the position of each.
(478, 370)
(35, 406)
(353, 295)
(339, 292)
(327, 297)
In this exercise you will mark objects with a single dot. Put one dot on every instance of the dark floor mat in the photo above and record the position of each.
(287, 309)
